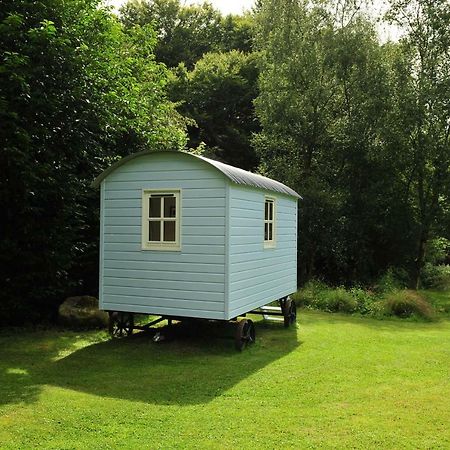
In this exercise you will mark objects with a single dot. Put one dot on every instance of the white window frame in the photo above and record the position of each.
(270, 243)
(161, 245)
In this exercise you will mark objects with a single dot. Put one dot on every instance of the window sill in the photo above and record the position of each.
(269, 245)
(162, 248)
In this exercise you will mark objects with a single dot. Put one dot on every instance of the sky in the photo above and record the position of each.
(386, 32)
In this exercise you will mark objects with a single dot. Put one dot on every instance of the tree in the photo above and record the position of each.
(186, 32)
(422, 74)
(323, 105)
(75, 92)
(218, 96)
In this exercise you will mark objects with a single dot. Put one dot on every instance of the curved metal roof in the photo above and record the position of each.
(236, 175)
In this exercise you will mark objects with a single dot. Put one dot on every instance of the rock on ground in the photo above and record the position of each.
(82, 312)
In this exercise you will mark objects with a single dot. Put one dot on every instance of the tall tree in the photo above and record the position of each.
(323, 102)
(218, 96)
(422, 74)
(74, 94)
(186, 32)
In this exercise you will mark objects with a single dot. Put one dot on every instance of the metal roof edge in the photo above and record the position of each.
(234, 174)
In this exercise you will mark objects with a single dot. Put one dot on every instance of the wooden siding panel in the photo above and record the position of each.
(189, 282)
(260, 275)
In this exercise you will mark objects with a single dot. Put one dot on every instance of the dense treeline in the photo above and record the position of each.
(302, 91)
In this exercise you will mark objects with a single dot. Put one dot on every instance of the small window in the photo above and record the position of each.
(161, 220)
(269, 222)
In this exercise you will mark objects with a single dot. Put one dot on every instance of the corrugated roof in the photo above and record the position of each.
(236, 175)
(241, 176)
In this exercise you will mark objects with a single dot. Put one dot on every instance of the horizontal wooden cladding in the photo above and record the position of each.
(264, 255)
(156, 301)
(161, 257)
(193, 299)
(261, 298)
(205, 212)
(186, 221)
(193, 193)
(191, 277)
(254, 286)
(192, 230)
(198, 249)
(187, 240)
(162, 175)
(255, 264)
(167, 267)
(282, 244)
(208, 202)
(204, 184)
(258, 238)
(153, 282)
(160, 310)
(162, 161)
(252, 273)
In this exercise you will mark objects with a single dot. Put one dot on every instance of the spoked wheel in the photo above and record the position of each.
(120, 324)
(245, 334)
(289, 312)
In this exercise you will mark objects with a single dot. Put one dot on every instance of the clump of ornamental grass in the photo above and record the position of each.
(407, 303)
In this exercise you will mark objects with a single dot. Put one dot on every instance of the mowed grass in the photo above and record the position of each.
(335, 381)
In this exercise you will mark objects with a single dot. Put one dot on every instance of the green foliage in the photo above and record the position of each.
(359, 129)
(337, 300)
(390, 299)
(186, 32)
(436, 277)
(218, 96)
(307, 296)
(393, 279)
(407, 303)
(76, 91)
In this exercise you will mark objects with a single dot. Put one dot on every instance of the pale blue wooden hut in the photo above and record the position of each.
(186, 236)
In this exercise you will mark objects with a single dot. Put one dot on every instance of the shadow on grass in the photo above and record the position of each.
(188, 370)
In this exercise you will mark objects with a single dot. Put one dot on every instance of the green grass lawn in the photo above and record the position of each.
(334, 382)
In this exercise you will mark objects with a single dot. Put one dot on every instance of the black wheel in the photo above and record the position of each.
(245, 334)
(289, 312)
(120, 324)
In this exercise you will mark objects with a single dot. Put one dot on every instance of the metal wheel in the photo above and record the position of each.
(290, 312)
(245, 334)
(120, 324)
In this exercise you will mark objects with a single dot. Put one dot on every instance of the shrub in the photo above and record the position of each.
(407, 303)
(365, 299)
(437, 277)
(308, 295)
(337, 300)
(392, 280)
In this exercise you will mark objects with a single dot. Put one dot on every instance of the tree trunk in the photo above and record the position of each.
(419, 261)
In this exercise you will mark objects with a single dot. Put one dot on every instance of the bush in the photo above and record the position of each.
(392, 280)
(365, 299)
(308, 295)
(337, 300)
(407, 303)
(317, 295)
(436, 277)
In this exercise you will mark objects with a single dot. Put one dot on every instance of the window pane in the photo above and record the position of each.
(266, 232)
(271, 211)
(169, 207)
(270, 231)
(154, 207)
(169, 231)
(154, 230)
(266, 211)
